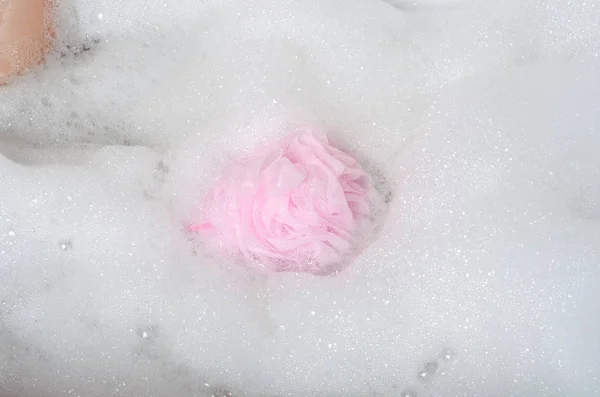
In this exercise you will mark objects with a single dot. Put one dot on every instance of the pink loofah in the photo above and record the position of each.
(295, 206)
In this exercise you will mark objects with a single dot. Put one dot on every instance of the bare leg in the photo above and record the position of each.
(25, 35)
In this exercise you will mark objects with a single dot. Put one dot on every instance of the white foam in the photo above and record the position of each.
(483, 118)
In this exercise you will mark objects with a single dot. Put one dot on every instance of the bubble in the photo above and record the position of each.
(428, 370)
(448, 355)
(149, 334)
(75, 79)
(221, 392)
(408, 393)
(65, 245)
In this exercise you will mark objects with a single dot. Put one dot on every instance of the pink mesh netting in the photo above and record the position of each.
(291, 206)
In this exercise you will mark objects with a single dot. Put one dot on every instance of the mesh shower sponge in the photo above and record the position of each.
(298, 205)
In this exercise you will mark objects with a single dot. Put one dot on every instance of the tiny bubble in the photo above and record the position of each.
(408, 393)
(448, 355)
(429, 369)
(65, 245)
(74, 79)
(221, 393)
(96, 17)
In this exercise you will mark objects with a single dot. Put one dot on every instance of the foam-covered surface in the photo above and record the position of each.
(482, 117)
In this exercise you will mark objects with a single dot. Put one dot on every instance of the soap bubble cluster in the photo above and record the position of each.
(477, 119)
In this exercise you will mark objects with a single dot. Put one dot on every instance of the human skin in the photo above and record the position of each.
(25, 35)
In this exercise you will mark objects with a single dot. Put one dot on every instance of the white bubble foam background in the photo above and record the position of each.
(484, 116)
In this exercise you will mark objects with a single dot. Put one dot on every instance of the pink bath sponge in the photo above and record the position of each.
(298, 205)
